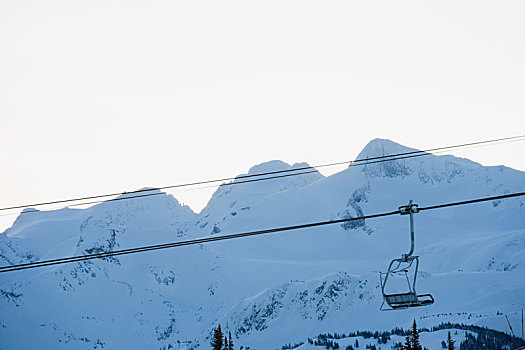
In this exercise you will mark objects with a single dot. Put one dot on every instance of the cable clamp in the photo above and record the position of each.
(407, 209)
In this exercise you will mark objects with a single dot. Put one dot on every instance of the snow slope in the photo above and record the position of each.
(274, 289)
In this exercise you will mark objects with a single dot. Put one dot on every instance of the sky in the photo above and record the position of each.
(110, 96)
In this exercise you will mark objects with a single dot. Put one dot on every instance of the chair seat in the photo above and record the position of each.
(401, 298)
(406, 300)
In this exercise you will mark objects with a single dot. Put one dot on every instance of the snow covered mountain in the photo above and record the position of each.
(274, 289)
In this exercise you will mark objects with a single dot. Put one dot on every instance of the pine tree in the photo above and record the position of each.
(408, 343)
(415, 337)
(225, 343)
(412, 339)
(450, 342)
(230, 341)
(216, 342)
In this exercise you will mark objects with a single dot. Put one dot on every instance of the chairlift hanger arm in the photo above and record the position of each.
(410, 209)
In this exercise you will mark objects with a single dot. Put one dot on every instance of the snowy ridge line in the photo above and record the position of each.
(358, 162)
(364, 161)
(237, 235)
(161, 193)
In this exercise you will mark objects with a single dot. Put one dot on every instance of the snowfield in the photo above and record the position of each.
(274, 289)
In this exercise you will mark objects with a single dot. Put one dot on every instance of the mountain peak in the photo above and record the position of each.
(383, 147)
(144, 191)
(255, 191)
(269, 166)
(401, 162)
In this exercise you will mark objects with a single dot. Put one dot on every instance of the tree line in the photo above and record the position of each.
(485, 339)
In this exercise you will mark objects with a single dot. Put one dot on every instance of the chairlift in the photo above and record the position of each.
(401, 267)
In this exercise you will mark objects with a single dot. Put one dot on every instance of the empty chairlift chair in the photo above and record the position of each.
(402, 267)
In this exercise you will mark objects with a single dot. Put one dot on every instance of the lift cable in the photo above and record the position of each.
(236, 235)
(258, 176)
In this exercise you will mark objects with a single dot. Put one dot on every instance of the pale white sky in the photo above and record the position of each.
(107, 96)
